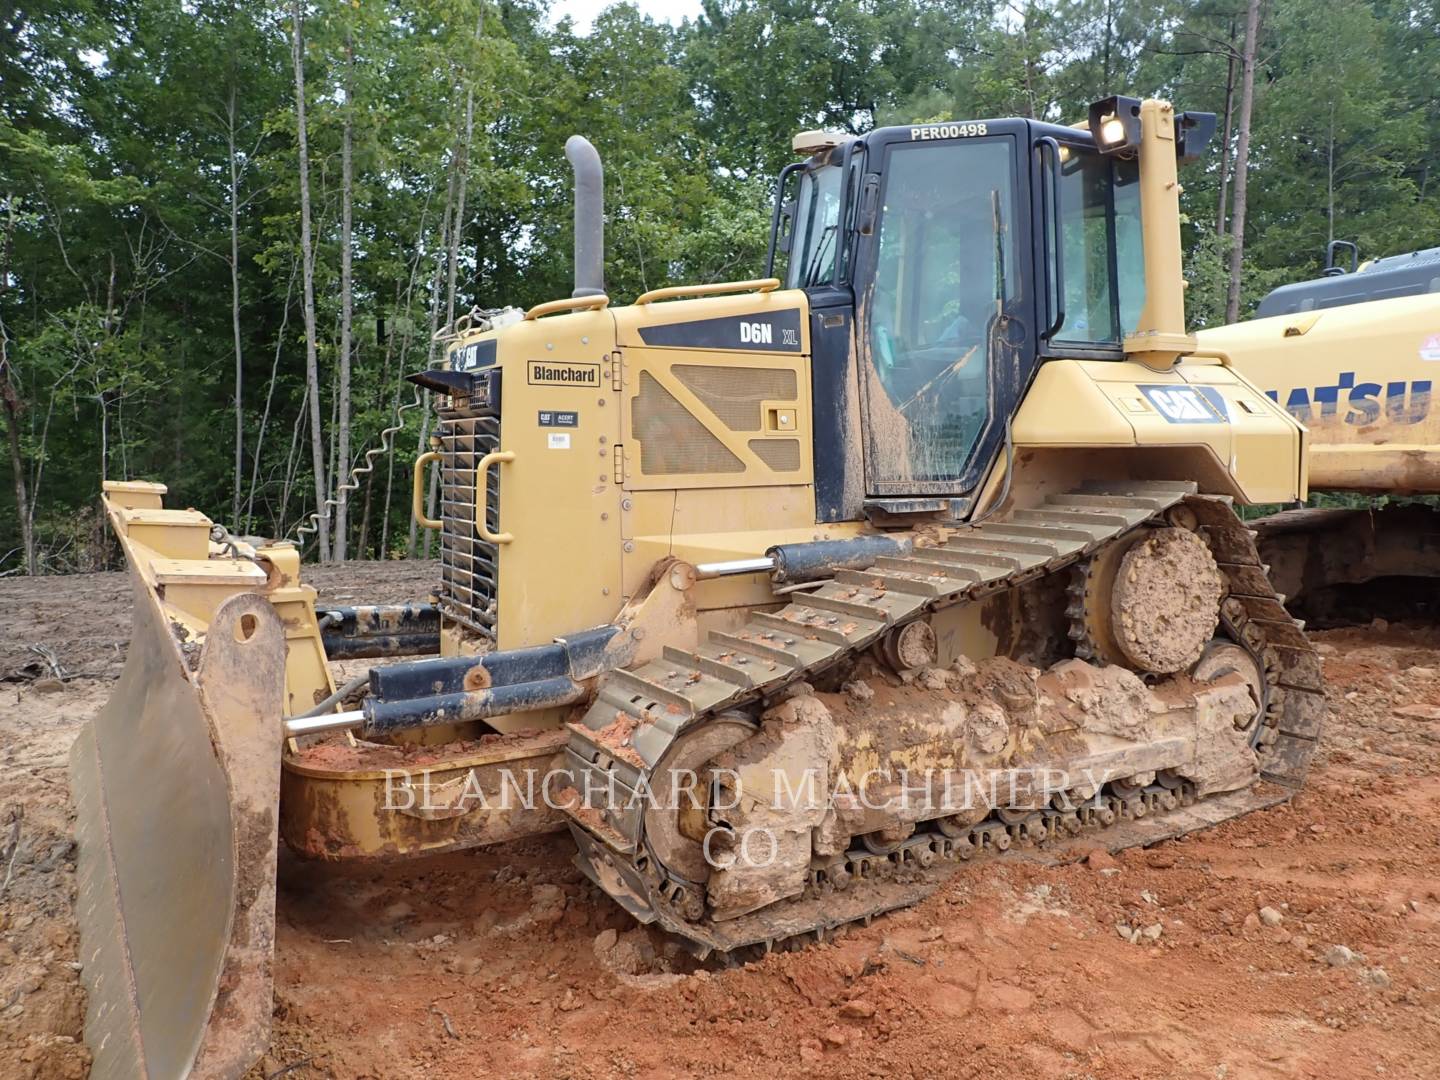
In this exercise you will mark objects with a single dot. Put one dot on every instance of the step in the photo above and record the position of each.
(1079, 500)
(1028, 553)
(825, 625)
(1062, 540)
(890, 579)
(897, 605)
(735, 676)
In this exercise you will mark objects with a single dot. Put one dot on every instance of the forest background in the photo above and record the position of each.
(229, 227)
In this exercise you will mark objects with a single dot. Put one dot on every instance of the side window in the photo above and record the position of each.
(1085, 236)
(1102, 249)
(1129, 244)
(817, 221)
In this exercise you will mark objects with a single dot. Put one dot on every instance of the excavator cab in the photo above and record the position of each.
(964, 254)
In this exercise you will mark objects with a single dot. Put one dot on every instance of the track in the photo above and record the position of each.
(682, 692)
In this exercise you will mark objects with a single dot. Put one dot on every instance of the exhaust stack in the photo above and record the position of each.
(589, 216)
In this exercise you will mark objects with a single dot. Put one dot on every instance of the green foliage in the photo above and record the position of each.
(121, 119)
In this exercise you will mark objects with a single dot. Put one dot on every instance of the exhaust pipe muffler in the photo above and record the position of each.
(589, 216)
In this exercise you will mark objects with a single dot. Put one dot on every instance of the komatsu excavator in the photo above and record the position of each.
(1353, 356)
(782, 596)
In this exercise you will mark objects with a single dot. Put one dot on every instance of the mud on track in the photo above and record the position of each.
(505, 962)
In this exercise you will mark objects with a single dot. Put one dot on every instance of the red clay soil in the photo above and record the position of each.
(1302, 941)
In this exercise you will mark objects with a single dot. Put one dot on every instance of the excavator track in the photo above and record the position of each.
(682, 692)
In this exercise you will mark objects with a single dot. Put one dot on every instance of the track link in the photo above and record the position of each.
(681, 691)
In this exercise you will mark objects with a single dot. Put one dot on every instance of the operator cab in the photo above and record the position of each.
(944, 262)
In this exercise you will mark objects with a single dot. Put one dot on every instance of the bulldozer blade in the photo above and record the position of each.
(176, 785)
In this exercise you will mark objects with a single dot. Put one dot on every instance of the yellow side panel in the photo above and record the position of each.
(1263, 448)
(1198, 406)
(711, 419)
(558, 498)
(637, 324)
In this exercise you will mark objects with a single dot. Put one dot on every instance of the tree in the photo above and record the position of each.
(1242, 158)
(184, 183)
(307, 274)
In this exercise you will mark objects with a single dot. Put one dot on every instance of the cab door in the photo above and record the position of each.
(945, 306)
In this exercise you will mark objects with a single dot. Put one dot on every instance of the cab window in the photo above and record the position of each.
(1100, 239)
(945, 262)
(817, 217)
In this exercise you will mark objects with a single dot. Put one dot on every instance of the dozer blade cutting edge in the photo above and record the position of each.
(176, 783)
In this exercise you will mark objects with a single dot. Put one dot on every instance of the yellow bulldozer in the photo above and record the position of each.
(1353, 356)
(782, 596)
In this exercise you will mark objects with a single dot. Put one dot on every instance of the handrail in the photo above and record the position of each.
(417, 496)
(785, 173)
(570, 303)
(482, 496)
(1226, 360)
(1052, 221)
(763, 285)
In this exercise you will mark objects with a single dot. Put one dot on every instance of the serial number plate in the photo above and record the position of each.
(946, 131)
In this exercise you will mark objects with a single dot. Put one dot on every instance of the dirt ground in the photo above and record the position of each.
(504, 962)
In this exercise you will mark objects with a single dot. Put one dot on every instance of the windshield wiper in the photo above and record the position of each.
(997, 219)
(816, 260)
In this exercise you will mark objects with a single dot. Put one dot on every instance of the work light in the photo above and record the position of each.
(1115, 124)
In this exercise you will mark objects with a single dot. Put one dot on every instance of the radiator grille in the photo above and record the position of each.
(468, 563)
(734, 394)
(782, 455)
(671, 439)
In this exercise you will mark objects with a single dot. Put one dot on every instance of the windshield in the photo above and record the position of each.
(817, 216)
(1102, 260)
(945, 263)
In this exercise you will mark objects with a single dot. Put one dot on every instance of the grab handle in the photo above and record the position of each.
(417, 498)
(482, 496)
(721, 288)
(570, 303)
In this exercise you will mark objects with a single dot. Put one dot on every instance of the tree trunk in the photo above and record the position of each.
(291, 461)
(1109, 43)
(307, 258)
(334, 468)
(444, 247)
(425, 406)
(452, 257)
(269, 398)
(1330, 183)
(384, 549)
(235, 310)
(347, 177)
(12, 435)
(1242, 161)
(10, 396)
(1225, 142)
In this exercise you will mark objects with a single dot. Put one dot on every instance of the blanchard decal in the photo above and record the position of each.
(771, 331)
(477, 354)
(946, 131)
(1356, 402)
(551, 418)
(558, 373)
(1186, 404)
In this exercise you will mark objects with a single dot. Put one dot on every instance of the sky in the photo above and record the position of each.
(584, 11)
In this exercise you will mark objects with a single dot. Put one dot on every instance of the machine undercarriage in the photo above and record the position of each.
(764, 788)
